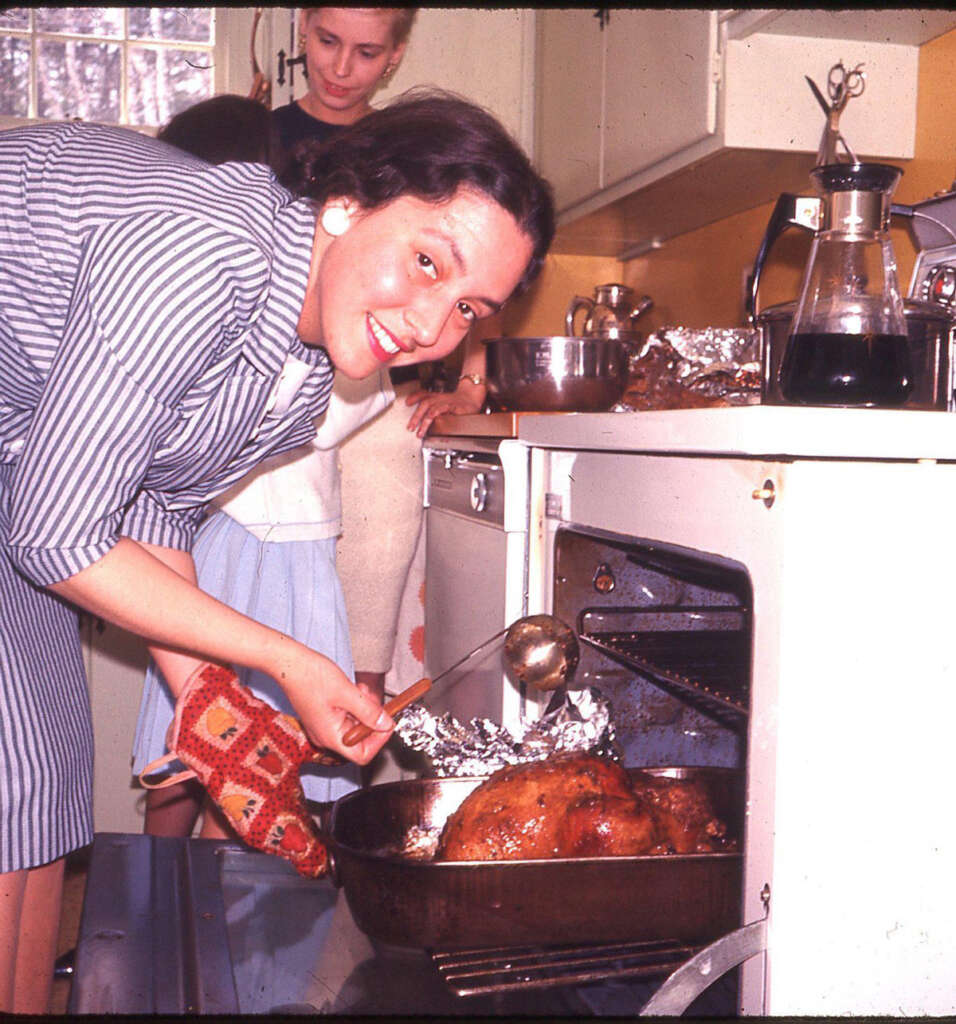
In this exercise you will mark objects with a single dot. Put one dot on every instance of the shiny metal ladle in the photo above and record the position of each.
(542, 651)
(539, 650)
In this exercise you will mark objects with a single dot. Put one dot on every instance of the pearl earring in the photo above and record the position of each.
(335, 220)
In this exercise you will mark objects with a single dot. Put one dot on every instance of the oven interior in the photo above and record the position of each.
(666, 636)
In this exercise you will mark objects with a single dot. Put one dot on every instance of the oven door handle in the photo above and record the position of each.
(685, 984)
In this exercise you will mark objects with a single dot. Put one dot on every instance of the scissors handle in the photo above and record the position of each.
(842, 84)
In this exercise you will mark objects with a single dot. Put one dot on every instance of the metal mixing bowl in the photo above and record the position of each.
(556, 374)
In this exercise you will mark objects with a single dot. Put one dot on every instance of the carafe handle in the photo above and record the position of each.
(641, 308)
(790, 210)
(578, 302)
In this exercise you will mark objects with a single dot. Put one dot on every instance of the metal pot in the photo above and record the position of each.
(930, 333)
(556, 374)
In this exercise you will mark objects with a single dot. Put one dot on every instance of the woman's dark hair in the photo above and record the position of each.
(428, 144)
(222, 128)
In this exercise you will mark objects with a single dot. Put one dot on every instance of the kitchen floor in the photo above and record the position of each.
(74, 884)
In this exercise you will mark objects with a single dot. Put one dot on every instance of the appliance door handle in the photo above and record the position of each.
(685, 984)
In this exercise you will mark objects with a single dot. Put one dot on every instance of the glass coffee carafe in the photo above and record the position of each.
(848, 340)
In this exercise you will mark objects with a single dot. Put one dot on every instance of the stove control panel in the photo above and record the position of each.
(934, 277)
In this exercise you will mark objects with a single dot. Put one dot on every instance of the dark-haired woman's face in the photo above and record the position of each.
(405, 281)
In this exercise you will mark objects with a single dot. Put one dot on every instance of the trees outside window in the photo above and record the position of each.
(136, 66)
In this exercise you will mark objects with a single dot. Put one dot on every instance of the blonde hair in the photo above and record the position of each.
(403, 18)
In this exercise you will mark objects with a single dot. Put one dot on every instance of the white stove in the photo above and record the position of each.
(842, 519)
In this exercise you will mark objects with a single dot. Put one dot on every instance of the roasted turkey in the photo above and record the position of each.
(578, 805)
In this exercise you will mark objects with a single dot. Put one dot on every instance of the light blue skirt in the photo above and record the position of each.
(290, 586)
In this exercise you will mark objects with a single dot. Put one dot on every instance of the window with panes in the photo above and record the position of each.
(135, 66)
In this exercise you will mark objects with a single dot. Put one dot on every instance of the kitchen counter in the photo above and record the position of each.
(757, 431)
(492, 424)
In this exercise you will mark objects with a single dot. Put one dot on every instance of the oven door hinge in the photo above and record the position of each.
(553, 506)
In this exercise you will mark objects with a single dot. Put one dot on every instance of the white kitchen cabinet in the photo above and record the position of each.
(661, 86)
(570, 101)
(620, 92)
(686, 93)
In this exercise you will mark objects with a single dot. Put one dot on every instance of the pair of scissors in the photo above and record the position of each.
(841, 85)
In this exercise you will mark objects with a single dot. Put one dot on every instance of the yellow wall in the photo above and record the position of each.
(540, 313)
(697, 279)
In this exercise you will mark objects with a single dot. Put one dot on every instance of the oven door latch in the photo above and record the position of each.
(767, 494)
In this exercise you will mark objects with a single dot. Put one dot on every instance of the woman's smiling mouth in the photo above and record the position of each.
(338, 91)
(383, 343)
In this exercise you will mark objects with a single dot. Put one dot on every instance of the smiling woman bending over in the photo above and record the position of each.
(164, 326)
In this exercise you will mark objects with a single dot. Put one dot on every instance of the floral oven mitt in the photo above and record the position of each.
(247, 755)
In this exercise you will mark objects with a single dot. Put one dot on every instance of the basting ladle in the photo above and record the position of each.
(539, 650)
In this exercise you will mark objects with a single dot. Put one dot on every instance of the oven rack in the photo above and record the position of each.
(472, 972)
(701, 655)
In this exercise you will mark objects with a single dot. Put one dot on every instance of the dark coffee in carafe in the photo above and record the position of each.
(849, 343)
(847, 369)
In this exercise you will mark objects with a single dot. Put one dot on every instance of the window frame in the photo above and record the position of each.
(230, 54)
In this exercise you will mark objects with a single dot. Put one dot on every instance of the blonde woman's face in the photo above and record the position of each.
(347, 50)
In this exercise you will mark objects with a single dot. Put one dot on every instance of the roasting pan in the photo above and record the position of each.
(456, 905)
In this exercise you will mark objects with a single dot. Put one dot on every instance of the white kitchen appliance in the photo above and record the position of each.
(476, 541)
(834, 523)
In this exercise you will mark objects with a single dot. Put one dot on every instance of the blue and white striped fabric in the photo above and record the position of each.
(148, 303)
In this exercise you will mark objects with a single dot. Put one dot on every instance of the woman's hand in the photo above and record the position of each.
(152, 591)
(467, 398)
(328, 704)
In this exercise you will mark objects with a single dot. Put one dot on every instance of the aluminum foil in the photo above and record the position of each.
(581, 722)
(716, 362)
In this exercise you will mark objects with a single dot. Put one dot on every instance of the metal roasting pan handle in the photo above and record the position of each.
(396, 704)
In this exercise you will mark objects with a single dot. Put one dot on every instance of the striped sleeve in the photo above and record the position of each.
(149, 522)
(154, 298)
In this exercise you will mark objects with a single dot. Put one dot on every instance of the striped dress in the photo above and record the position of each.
(148, 311)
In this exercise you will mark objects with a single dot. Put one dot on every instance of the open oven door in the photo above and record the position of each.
(685, 984)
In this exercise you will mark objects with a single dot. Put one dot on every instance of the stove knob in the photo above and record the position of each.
(479, 492)
(941, 285)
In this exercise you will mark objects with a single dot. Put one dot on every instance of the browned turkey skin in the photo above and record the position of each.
(577, 805)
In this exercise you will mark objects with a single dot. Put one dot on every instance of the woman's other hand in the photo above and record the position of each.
(470, 394)
(467, 398)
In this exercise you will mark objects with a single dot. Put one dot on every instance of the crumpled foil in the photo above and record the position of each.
(582, 722)
(713, 362)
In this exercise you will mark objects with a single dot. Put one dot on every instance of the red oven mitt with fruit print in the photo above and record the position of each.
(247, 756)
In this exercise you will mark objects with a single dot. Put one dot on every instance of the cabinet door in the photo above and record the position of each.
(660, 87)
(569, 82)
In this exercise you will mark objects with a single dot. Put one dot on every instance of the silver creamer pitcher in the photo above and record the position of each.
(611, 314)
